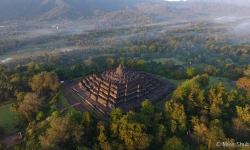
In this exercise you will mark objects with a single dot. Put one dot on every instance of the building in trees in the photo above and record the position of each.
(121, 87)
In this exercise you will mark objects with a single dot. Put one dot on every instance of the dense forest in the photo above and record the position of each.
(197, 115)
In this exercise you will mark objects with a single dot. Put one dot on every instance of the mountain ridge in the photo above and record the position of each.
(75, 9)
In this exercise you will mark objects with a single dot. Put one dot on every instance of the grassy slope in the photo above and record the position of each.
(227, 85)
(7, 118)
(212, 81)
(64, 101)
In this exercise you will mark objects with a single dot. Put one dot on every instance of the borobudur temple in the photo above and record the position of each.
(121, 87)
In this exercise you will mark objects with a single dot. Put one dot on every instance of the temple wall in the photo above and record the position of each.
(111, 89)
(102, 101)
(93, 96)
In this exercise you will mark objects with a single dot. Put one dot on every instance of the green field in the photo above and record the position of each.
(64, 101)
(212, 81)
(163, 60)
(7, 119)
(226, 84)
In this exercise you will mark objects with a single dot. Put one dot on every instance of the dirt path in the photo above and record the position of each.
(62, 110)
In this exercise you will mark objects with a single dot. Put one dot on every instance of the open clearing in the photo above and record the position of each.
(7, 119)
(225, 82)
(212, 81)
(163, 60)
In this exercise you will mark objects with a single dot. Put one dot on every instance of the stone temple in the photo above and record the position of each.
(121, 87)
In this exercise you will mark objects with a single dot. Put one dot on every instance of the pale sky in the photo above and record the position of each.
(175, 0)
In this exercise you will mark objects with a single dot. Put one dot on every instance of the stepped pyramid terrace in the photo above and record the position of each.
(121, 87)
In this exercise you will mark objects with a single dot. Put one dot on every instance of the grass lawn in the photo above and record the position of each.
(226, 84)
(163, 60)
(212, 81)
(173, 81)
(64, 101)
(7, 119)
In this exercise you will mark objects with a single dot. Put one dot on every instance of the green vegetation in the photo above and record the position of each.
(173, 81)
(63, 100)
(225, 81)
(204, 102)
(7, 119)
(163, 60)
(68, 111)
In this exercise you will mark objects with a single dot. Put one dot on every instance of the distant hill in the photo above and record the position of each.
(215, 9)
(119, 11)
(234, 2)
(125, 17)
(54, 9)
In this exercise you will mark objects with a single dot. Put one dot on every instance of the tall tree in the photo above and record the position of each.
(102, 138)
(31, 104)
(132, 132)
(173, 143)
(176, 114)
(44, 81)
(190, 72)
(243, 83)
(61, 134)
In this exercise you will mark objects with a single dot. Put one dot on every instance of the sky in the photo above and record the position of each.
(175, 0)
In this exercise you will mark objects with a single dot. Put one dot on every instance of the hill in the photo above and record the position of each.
(54, 9)
(114, 9)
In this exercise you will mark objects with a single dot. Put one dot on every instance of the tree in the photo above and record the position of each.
(89, 126)
(190, 72)
(240, 129)
(131, 63)
(61, 134)
(44, 81)
(170, 64)
(2, 146)
(76, 117)
(110, 62)
(173, 143)
(31, 104)
(39, 116)
(115, 117)
(243, 114)
(215, 111)
(213, 135)
(199, 134)
(209, 69)
(147, 108)
(141, 64)
(102, 138)
(176, 114)
(247, 71)
(1, 132)
(243, 83)
(160, 134)
(132, 132)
